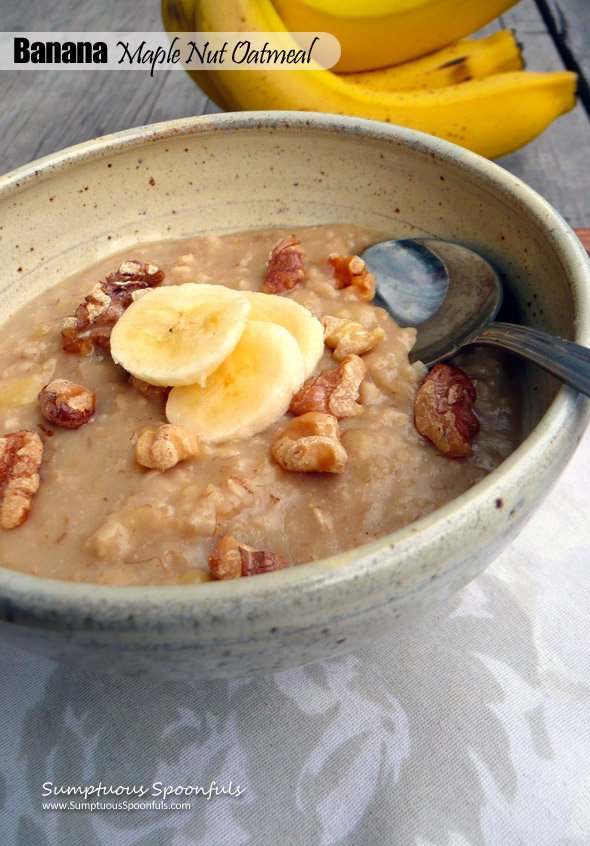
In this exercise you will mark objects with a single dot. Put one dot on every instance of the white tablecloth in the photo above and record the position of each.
(471, 727)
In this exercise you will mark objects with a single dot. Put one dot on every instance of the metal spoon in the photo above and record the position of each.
(452, 296)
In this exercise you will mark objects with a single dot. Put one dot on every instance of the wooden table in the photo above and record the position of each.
(45, 111)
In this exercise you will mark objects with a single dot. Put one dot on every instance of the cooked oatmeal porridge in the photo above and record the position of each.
(135, 488)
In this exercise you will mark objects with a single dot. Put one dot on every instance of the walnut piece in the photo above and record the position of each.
(285, 266)
(443, 413)
(67, 404)
(162, 448)
(20, 458)
(151, 392)
(350, 273)
(333, 391)
(311, 444)
(231, 560)
(92, 323)
(348, 337)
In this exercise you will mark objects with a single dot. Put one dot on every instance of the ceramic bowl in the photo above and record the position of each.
(233, 172)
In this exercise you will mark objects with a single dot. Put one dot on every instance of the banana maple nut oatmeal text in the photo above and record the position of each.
(222, 407)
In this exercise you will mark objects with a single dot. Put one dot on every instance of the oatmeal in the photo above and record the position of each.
(128, 495)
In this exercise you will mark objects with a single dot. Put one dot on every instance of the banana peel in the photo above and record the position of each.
(375, 34)
(470, 59)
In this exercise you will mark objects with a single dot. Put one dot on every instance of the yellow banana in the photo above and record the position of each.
(179, 16)
(379, 33)
(471, 59)
(492, 116)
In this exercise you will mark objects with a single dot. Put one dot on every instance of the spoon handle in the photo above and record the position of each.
(569, 361)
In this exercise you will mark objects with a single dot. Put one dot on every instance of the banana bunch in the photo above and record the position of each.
(471, 92)
(234, 359)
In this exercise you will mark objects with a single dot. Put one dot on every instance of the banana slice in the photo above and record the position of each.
(298, 320)
(250, 390)
(180, 334)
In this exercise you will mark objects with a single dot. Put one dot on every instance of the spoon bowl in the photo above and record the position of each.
(452, 295)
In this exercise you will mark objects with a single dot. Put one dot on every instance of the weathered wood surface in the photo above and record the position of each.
(556, 163)
(45, 111)
(568, 21)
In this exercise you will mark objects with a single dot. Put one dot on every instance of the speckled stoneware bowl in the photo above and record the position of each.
(237, 171)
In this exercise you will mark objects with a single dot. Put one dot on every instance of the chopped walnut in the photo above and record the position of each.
(314, 423)
(347, 336)
(285, 266)
(67, 404)
(231, 560)
(151, 392)
(350, 272)
(20, 459)
(311, 444)
(162, 448)
(443, 413)
(92, 322)
(333, 391)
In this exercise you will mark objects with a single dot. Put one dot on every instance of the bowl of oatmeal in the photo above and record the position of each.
(217, 455)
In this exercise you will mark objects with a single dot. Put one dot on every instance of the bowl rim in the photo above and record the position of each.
(47, 603)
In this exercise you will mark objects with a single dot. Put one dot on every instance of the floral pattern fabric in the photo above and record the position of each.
(470, 727)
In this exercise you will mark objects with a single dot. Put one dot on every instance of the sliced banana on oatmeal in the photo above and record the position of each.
(179, 334)
(250, 391)
(298, 320)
